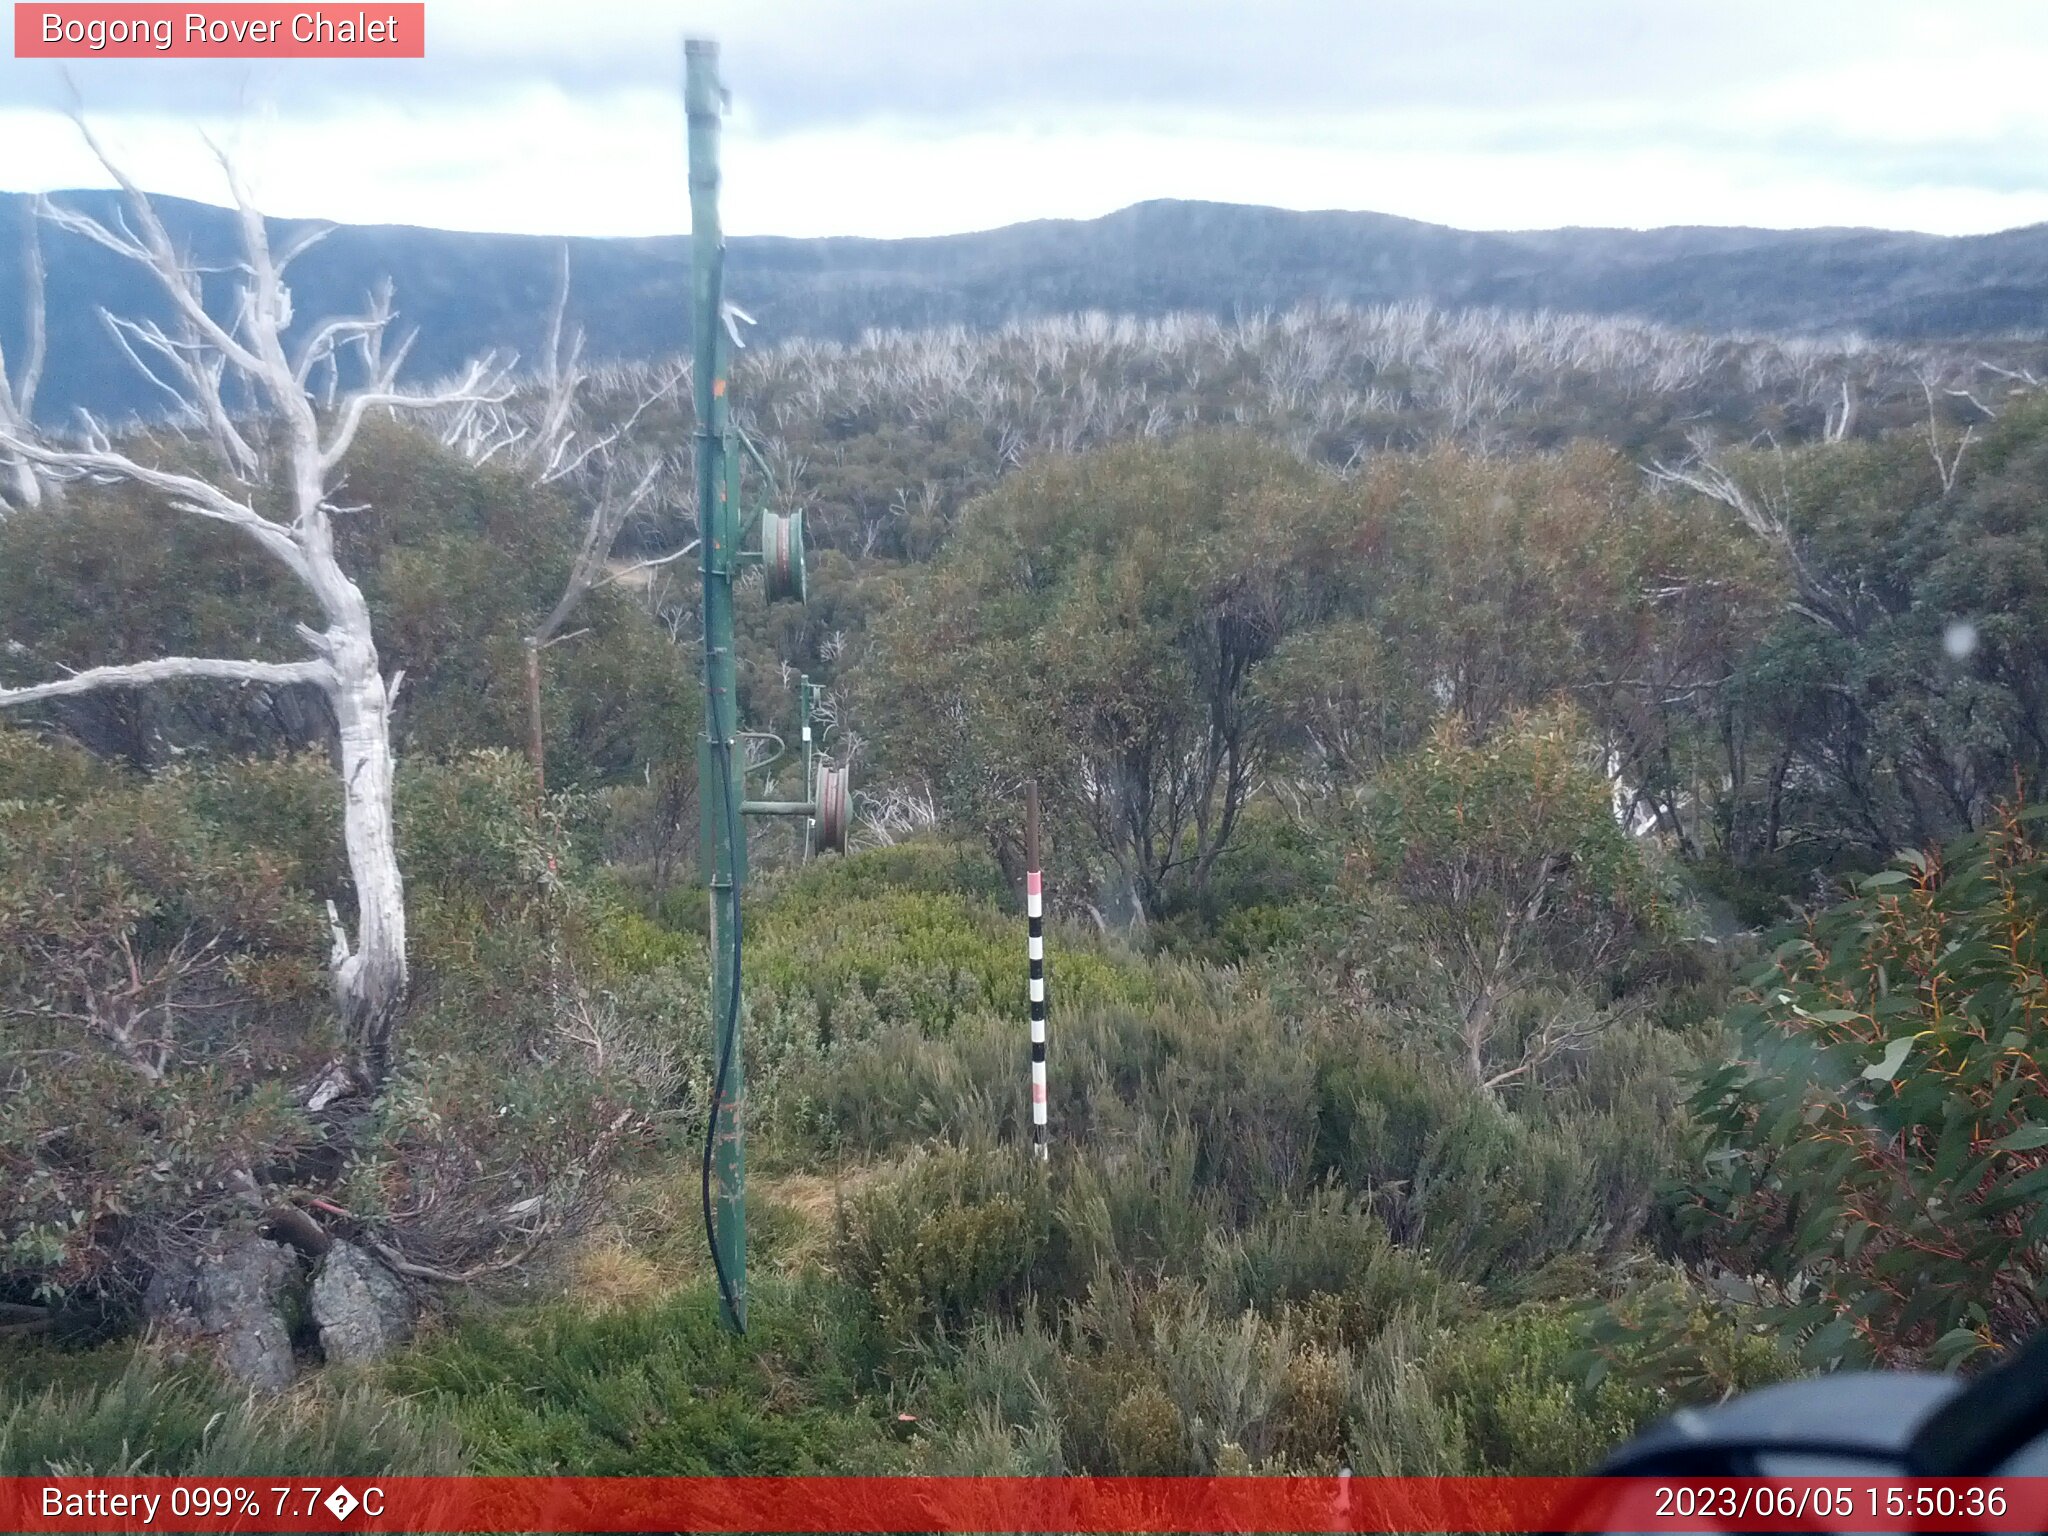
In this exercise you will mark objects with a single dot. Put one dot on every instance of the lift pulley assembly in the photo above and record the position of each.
(782, 556)
(834, 811)
(828, 812)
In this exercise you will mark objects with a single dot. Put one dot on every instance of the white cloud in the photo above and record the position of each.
(896, 117)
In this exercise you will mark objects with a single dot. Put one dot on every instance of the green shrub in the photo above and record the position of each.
(1489, 1193)
(1401, 1423)
(918, 956)
(1134, 1205)
(1511, 871)
(288, 806)
(1269, 894)
(1330, 1264)
(957, 1235)
(1516, 1384)
(1683, 1341)
(160, 992)
(1878, 1153)
(930, 867)
(467, 828)
(1143, 1378)
(1146, 1435)
(885, 1007)
(35, 768)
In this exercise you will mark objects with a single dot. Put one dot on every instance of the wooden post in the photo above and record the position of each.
(1034, 912)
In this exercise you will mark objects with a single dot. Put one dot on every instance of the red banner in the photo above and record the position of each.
(1022, 1504)
(377, 29)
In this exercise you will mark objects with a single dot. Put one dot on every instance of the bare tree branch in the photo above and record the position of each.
(552, 457)
(155, 250)
(1765, 514)
(165, 669)
(638, 566)
(38, 329)
(188, 493)
(482, 380)
(587, 572)
(560, 468)
(18, 398)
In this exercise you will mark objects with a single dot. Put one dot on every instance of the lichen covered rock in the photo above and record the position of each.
(234, 1296)
(363, 1310)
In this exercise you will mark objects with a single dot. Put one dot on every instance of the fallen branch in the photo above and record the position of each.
(404, 1266)
(289, 1224)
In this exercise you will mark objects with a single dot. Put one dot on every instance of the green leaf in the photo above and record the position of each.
(1826, 1346)
(2028, 1186)
(1886, 1067)
(2025, 1139)
(1954, 1145)
(1955, 1345)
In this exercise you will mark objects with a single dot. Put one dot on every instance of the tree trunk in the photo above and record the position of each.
(1478, 1024)
(370, 981)
(536, 732)
(28, 490)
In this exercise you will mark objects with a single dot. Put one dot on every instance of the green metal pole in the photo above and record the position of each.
(805, 697)
(719, 788)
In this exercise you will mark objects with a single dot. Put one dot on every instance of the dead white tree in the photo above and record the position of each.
(1948, 463)
(1766, 513)
(18, 477)
(558, 448)
(1839, 423)
(276, 470)
(2021, 381)
(896, 812)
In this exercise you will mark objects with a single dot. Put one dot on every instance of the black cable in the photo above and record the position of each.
(729, 1034)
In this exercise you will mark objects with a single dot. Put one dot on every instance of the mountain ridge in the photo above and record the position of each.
(472, 292)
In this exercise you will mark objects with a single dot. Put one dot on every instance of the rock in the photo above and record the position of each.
(363, 1309)
(233, 1295)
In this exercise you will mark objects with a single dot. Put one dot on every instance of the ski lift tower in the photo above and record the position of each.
(720, 449)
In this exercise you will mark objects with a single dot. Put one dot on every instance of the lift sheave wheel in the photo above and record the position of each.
(835, 810)
(782, 556)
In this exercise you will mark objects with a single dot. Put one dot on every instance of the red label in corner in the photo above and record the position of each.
(216, 31)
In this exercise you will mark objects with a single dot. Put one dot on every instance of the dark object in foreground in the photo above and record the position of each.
(1860, 1422)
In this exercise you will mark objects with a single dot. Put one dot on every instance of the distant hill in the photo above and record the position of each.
(468, 292)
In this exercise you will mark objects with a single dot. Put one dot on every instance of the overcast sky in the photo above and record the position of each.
(910, 117)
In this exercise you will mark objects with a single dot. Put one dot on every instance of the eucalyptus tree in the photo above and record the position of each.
(260, 412)
(1102, 623)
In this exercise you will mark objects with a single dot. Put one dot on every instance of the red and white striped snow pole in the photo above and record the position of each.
(1034, 912)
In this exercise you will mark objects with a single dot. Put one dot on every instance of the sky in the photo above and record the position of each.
(923, 117)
